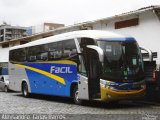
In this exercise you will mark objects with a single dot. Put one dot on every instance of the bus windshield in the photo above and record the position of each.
(122, 61)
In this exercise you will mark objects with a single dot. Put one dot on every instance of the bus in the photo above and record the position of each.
(84, 65)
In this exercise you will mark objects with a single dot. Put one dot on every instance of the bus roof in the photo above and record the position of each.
(95, 34)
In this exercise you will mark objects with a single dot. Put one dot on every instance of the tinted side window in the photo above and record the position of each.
(32, 53)
(55, 50)
(18, 55)
(11, 55)
(37, 53)
(70, 51)
(42, 52)
(69, 48)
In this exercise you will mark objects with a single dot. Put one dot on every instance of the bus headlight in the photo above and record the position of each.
(108, 84)
(103, 83)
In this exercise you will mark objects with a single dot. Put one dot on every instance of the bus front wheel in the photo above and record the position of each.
(75, 96)
(25, 89)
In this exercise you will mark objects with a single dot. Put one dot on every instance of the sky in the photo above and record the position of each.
(34, 12)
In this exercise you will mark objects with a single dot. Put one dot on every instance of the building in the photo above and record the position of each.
(8, 32)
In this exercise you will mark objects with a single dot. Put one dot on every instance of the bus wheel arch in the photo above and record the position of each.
(24, 89)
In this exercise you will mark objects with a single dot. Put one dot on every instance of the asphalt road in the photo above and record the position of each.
(15, 103)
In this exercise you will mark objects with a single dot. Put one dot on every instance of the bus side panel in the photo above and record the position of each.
(51, 79)
(42, 84)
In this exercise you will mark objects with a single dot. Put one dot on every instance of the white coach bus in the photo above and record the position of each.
(85, 65)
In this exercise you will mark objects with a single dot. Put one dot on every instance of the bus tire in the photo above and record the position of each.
(75, 96)
(25, 92)
(5, 88)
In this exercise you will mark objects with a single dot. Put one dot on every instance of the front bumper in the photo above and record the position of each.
(113, 95)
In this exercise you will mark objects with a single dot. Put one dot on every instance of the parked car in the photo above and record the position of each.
(4, 83)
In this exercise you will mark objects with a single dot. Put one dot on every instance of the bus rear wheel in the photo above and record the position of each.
(75, 96)
(25, 90)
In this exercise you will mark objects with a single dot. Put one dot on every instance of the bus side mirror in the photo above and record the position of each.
(99, 51)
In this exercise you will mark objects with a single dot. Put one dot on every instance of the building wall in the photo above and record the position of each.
(146, 33)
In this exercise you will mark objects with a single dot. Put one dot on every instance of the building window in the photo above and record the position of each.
(127, 23)
(5, 45)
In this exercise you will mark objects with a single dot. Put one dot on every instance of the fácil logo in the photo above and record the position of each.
(55, 69)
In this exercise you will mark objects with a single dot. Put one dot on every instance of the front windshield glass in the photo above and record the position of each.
(122, 60)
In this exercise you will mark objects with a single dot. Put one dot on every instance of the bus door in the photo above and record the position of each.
(89, 78)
